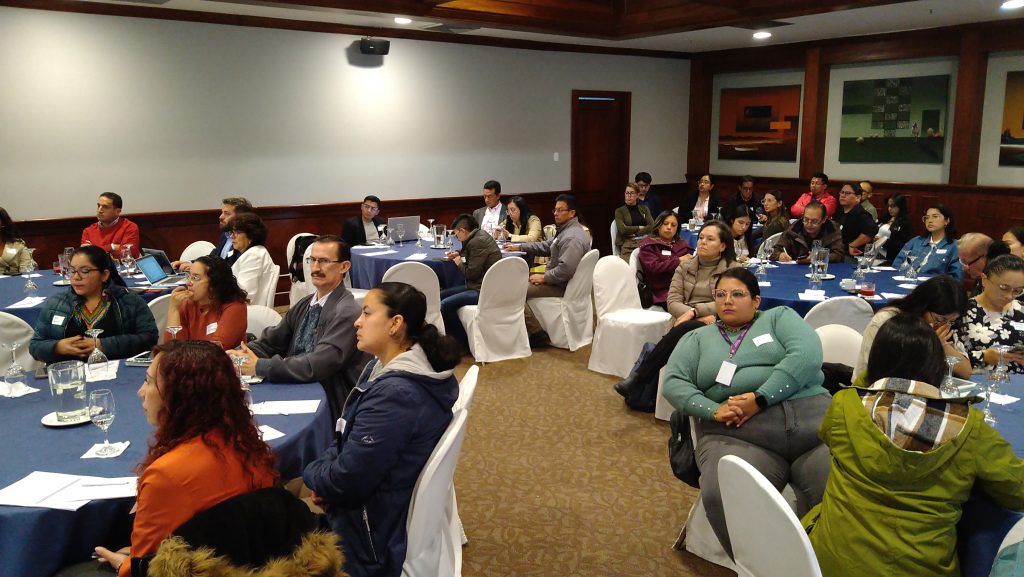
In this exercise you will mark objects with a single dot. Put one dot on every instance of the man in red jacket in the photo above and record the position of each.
(111, 231)
(818, 192)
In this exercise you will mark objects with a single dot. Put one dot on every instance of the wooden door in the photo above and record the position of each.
(600, 158)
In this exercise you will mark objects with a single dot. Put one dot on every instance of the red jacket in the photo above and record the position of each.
(830, 202)
(122, 232)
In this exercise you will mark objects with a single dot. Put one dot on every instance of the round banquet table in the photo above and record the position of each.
(368, 269)
(36, 542)
(12, 290)
(788, 281)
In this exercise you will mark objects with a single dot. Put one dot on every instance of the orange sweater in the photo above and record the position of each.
(226, 324)
(188, 479)
(123, 232)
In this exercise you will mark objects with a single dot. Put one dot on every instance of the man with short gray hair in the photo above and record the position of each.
(973, 249)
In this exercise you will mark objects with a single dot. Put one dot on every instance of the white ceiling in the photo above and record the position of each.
(857, 22)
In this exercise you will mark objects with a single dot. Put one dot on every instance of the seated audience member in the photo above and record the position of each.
(393, 420)
(740, 221)
(522, 225)
(566, 250)
(939, 301)
(632, 221)
(96, 299)
(229, 208)
(211, 306)
(767, 410)
(745, 196)
(795, 244)
(660, 254)
(775, 218)
(315, 341)
(479, 252)
(818, 193)
(1014, 239)
(362, 229)
(492, 213)
(973, 251)
(205, 449)
(111, 231)
(869, 190)
(704, 200)
(690, 300)
(904, 460)
(897, 222)
(855, 224)
(248, 237)
(995, 316)
(647, 198)
(14, 255)
(935, 250)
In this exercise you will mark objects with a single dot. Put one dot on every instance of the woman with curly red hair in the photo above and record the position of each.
(206, 447)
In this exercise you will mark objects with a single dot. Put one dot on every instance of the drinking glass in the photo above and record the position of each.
(68, 388)
(15, 373)
(400, 232)
(948, 388)
(97, 361)
(696, 216)
(30, 286)
(102, 411)
(911, 269)
(174, 330)
(449, 235)
(991, 386)
(380, 233)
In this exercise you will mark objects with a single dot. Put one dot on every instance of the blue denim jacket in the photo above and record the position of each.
(945, 259)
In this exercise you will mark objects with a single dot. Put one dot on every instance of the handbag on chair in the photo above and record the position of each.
(646, 297)
(681, 454)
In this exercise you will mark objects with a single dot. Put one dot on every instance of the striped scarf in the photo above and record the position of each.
(89, 319)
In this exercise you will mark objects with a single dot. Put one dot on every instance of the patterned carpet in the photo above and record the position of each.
(559, 478)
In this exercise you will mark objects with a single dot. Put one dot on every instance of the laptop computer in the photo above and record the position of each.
(411, 224)
(161, 257)
(155, 273)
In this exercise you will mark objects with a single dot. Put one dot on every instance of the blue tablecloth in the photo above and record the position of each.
(368, 271)
(36, 542)
(788, 280)
(12, 290)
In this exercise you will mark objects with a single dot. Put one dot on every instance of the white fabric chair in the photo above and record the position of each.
(1014, 536)
(614, 232)
(159, 307)
(569, 320)
(773, 238)
(424, 279)
(467, 388)
(197, 249)
(424, 233)
(431, 551)
(358, 294)
(298, 289)
(259, 317)
(754, 510)
(851, 311)
(839, 344)
(268, 285)
(622, 325)
(495, 326)
(15, 330)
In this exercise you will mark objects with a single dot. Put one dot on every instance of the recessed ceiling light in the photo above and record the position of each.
(1012, 5)
(763, 35)
(403, 20)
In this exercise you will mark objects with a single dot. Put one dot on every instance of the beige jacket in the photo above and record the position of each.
(684, 281)
(14, 257)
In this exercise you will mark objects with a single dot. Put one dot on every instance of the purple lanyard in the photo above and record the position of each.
(739, 339)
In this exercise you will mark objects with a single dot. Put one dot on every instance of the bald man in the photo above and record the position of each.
(973, 249)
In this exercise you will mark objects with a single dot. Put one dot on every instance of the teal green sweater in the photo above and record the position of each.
(784, 364)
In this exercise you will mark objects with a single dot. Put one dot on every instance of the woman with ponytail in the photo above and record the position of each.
(390, 423)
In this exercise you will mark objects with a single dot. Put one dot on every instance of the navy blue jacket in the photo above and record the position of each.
(392, 425)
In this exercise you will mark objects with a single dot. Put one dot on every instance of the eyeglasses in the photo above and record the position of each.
(371, 208)
(560, 210)
(936, 321)
(736, 294)
(847, 193)
(320, 261)
(631, 193)
(80, 272)
(965, 263)
(194, 278)
(813, 221)
(1016, 291)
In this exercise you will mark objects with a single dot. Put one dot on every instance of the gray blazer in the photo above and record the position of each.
(334, 362)
(566, 250)
(478, 214)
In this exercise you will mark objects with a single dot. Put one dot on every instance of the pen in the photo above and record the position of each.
(104, 484)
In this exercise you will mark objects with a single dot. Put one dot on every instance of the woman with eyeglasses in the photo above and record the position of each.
(14, 254)
(939, 301)
(248, 235)
(96, 299)
(660, 254)
(995, 317)
(753, 382)
(935, 250)
(633, 221)
(896, 223)
(743, 241)
(210, 306)
(775, 217)
(521, 224)
(704, 200)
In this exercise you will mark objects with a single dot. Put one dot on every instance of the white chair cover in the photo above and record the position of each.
(358, 294)
(495, 326)
(424, 233)
(259, 317)
(430, 551)
(662, 408)
(197, 249)
(622, 326)
(1016, 535)
(159, 307)
(424, 279)
(851, 311)
(755, 510)
(268, 285)
(298, 288)
(773, 238)
(839, 344)
(15, 330)
(467, 387)
(569, 320)
(615, 232)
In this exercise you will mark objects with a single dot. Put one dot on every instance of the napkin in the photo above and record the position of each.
(883, 268)
(138, 276)
(269, 433)
(27, 303)
(364, 247)
(891, 296)
(379, 252)
(417, 256)
(15, 390)
(908, 286)
(285, 407)
(812, 295)
(1001, 399)
(91, 453)
(918, 279)
(764, 283)
(109, 374)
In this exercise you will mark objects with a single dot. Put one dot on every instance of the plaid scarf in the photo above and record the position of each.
(913, 415)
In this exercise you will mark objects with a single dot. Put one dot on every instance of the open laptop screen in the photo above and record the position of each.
(152, 269)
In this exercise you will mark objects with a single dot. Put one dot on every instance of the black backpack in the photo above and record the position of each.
(295, 267)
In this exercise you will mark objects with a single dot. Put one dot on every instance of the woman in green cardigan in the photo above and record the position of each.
(753, 380)
(632, 222)
(904, 460)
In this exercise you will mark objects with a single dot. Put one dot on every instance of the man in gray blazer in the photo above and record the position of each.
(316, 339)
(493, 212)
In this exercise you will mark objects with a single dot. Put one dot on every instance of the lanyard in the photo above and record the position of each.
(734, 345)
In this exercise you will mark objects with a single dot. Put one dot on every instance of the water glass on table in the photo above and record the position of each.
(102, 411)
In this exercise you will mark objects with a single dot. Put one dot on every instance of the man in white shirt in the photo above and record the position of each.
(229, 208)
(492, 213)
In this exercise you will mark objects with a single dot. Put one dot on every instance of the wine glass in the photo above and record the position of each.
(30, 286)
(449, 235)
(991, 386)
(948, 388)
(174, 330)
(97, 361)
(380, 233)
(15, 373)
(911, 268)
(102, 411)
(400, 232)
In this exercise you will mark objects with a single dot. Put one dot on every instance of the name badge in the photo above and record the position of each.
(726, 373)
(57, 320)
(666, 253)
(1017, 326)
(211, 328)
(340, 425)
(762, 339)
(941, 251)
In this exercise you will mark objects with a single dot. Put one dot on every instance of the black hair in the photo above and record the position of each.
(1005, 263)
(941, 295)
(344, 251)
(778, 196)
(524, 215)
(493, 185)
(643, 177)
(569, 200)
(744, 276)
(8, 231)
(710, 176)
(466, 221)
(822, 176)
(443, 352)
(223, 284)
(746, 178)
(818, 206)
(102, 261)
(856, 188)
(996, 249)
(1018, 233)
(900, 200)
(372, 198)
(907, 347)
(661, 219)
(115, 199)
(724, 236)
(950, 228)
(740, 211)
(252, 225)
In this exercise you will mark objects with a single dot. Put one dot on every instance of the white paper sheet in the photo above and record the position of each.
(41, 489)
(364, 247)
(269, 433)
(908, 286)
(417, 256)
(27, 303)
(764, 283)
(285, 407)
(379, 252)
(106, 375)
(98, 488)
(883, 268)
(891, 296)
(812, 295)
